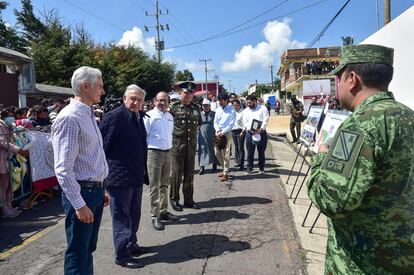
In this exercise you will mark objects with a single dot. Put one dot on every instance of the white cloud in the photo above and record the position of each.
(136, 38)
(277, 39)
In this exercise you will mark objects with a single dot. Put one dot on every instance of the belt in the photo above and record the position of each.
(160, 150)
(90, 184)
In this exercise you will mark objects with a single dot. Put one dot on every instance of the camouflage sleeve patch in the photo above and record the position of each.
(340, 183)
(344, 152)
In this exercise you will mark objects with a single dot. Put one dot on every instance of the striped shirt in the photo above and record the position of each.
(78, 150)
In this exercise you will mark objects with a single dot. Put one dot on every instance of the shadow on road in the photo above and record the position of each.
(43, 215)
(209, 217)
(233, 201)
(193, 247)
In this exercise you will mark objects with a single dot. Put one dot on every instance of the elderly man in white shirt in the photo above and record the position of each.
(159, 125)
(81, 169)
(223, 124)
(255, 132)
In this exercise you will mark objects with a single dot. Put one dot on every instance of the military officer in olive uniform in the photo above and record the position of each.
(364, 181)
(187, 119)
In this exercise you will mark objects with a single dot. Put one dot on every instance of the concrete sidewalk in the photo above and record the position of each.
(245, 226)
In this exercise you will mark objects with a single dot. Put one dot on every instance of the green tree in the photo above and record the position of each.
(184, 75)
(9, 36)
(262, 89)
(33, 28)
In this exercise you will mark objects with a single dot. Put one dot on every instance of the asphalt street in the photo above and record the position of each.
(244, 226)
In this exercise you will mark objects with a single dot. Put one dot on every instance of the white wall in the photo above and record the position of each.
(399, 34)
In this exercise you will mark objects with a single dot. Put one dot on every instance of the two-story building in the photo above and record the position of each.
(305, 73)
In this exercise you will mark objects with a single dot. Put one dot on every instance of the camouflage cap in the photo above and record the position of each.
(364, 54)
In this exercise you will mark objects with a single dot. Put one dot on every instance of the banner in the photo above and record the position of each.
(41, 156)
(333, 119)
(316, 87)
(311, 124)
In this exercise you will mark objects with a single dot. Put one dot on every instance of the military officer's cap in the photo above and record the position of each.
(355, 54)
(187, 86)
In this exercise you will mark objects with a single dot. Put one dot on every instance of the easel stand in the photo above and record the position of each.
(293, 166)
(300, 170)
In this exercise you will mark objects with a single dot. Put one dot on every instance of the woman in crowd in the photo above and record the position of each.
(7, 122)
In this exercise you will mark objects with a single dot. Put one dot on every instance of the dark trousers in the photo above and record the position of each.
(238, 142)
(182, 166)
(125, 204)
(82, 237)
(295, 124)
(261, 148)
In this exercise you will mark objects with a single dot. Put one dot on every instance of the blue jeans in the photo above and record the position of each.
(82, 237)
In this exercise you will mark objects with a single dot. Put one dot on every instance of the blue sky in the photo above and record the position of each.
(238, 59)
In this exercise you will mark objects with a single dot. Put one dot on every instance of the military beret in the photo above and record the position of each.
(354, 54)
(187, 86)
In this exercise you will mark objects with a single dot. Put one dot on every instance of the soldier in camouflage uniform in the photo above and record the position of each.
(364, 181)
(187, 119)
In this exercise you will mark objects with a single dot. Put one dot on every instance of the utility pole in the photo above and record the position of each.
(377, 13)
(387, 11)
(159, 45)
(271, 77)
(205, 70)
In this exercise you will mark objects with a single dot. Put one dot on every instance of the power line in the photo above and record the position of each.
(94, 16)
(138, 5)
(316, 39)
(249, 27)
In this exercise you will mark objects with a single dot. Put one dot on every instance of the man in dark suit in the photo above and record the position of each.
(125, 145)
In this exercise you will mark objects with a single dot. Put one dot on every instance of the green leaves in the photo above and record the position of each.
(58, 49)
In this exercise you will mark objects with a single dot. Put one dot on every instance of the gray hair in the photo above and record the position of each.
(135, 88)
(83, 74)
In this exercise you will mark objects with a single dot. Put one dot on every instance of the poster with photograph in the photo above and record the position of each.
(333, 119)
(311, 124)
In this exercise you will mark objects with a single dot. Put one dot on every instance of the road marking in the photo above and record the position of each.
(36, 236)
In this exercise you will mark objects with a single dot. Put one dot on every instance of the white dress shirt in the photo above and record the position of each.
(78, 150)
(159, 126)
(259, 113)
(238, 124)
(224, 119)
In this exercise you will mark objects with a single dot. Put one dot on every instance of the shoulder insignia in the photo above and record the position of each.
(344, 152)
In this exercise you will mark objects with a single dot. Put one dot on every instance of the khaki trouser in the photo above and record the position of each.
(159, 167)
(223, 156)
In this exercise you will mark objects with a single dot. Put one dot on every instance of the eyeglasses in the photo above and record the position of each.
(162, 100)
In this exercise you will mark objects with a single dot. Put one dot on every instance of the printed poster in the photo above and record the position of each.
(311, 124)
(333, 119)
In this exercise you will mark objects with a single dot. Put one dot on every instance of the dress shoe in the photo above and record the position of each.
(130, 264)
(169, 217)
(237, 165)
(214, 167)
(157, 224)
(241, 168)
(176, 206)
(201, 171)
(139, 250)
(192, 205)
(225, 178)
(220, 174)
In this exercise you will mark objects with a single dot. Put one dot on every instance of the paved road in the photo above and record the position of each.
(245, 226)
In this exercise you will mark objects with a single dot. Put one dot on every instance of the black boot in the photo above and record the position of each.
(201, 171)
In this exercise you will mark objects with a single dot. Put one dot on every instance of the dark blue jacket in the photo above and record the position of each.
(125, 145)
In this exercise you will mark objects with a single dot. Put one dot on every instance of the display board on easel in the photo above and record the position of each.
(333, 119)
(311, 123)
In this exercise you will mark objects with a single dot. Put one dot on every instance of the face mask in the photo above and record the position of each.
(9, 120)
